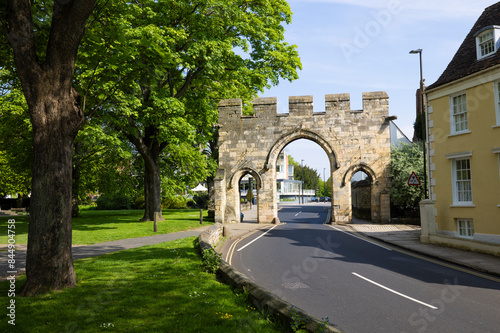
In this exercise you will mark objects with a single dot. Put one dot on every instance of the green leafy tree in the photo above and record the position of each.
(327, 188)
(102, 162)
(157, 70)
(43, 39)
(405, 159)
(311, 177)
(15, 144)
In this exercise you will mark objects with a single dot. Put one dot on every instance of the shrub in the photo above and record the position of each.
(406, 159)
(201, 200)
(113, 202)
(140, 203)
(211, 260)
(174, 202)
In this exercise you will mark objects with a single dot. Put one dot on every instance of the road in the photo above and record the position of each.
(361, 285)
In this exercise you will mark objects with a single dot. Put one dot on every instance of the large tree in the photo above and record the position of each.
(44, 63)
(15, 143)
(308, 175)
(166, 64)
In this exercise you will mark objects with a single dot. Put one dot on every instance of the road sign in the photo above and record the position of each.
(413, 180)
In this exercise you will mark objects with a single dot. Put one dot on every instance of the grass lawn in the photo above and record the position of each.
(97, 226)
(157, 288)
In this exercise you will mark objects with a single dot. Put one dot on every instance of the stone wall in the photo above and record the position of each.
(353, 140)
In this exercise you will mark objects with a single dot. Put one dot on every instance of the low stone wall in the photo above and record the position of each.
(261, 298)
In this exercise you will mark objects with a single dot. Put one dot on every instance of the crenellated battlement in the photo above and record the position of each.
(303, 106)
(352, 140)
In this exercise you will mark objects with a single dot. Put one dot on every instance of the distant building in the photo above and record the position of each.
(288, 188)
(464, 135)
(397, 136)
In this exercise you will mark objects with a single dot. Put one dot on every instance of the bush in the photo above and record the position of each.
(113, 202)
(406, 159)
(201, 200)
(140, 203)
(175, 202)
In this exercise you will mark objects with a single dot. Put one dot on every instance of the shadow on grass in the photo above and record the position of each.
(155, 288)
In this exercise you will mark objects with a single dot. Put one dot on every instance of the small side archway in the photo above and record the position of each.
(379, 207)
(234, 207)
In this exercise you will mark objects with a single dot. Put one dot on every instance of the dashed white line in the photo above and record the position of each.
(395, 292)
(298, 213)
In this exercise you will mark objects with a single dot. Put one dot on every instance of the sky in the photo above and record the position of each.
(356, 46)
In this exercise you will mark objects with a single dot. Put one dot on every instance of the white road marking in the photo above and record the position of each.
(298, 213)
(241, 248)
(348, 233)
(395, 292)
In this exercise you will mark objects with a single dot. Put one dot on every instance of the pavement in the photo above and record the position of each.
(85, 251)
(404, 236)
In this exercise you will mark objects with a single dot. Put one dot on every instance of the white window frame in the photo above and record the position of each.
(496, 86)
(465, 228)
(492, 42)
(453, 107)
(455, 158)
(497, 151)
(462, 186)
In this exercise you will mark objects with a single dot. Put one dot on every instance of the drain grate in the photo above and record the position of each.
(295, 285)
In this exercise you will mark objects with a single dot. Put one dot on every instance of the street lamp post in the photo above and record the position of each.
(302, 162)
(424, 119)
(324, 185)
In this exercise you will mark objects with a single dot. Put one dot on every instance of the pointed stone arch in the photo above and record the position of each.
(355, 168)
(352, 139)
(301, 134)
(233, 207)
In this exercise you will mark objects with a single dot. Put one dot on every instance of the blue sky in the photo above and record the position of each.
(363, 45)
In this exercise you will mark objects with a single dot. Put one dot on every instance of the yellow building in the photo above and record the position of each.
(463, 117)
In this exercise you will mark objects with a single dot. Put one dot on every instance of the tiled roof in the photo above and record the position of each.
(465, 61)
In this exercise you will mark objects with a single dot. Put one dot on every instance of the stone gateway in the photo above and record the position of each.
(354, 140)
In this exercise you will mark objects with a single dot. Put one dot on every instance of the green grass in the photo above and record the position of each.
(157, 288)
(97, 226)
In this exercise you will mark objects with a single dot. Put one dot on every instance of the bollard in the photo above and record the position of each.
(155, 227)
(201, 215)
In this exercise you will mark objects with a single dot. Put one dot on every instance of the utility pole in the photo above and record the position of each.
(302, 181)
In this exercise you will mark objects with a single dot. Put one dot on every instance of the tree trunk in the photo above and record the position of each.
(49, 262)
(152, 188)
(55, 117)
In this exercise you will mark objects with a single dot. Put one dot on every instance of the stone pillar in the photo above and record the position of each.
(220, 195)
(385, 207)
(268, 206)
(427, 220)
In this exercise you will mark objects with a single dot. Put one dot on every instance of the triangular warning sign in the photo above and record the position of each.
(413, 180)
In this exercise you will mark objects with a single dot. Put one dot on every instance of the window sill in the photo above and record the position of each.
(466, 237)
(460, 133)
(496, 126)
(463, 206)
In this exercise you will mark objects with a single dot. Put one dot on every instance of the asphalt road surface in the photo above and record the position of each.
(362, 285)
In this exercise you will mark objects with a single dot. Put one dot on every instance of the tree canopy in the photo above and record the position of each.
(405, 159)
(305, 173)
(156, 70)
(147, 73)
